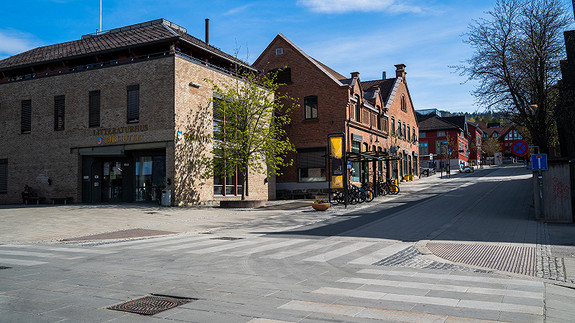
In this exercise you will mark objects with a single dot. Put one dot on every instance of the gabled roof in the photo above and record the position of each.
(388, 88)
(458, 121)
(147, 33)
(335, 76)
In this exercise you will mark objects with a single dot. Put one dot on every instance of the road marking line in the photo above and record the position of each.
(340, 252)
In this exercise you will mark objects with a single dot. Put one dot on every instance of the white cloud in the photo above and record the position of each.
(344, 6)
(238, 9)
(14, 42)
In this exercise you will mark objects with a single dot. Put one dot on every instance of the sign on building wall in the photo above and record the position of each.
(336, 154)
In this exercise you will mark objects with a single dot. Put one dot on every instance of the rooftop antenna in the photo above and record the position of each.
(100, 17)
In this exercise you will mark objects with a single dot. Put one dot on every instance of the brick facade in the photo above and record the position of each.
(174, 124)
(337, 98)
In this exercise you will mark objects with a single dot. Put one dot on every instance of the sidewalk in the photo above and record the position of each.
(52, 224)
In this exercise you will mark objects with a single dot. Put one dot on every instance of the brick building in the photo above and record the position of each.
(115, 116)
(505, 135)
(475, 140)
(333, 103)
(444, 141)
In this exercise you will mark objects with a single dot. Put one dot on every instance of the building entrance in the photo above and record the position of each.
(113, 181)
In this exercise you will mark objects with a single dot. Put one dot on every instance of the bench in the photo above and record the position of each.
(36, 199)
(61, 199)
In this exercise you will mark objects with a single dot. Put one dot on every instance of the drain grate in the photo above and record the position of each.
(4, 267)
(152, 304)
(226, 238)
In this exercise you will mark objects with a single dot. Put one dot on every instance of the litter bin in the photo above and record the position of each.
(166, 197)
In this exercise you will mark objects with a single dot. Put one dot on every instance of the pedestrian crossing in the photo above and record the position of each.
(361, 292)
(415, 296)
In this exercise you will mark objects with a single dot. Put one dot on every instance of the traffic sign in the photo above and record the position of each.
(519, 148)
(539, 161)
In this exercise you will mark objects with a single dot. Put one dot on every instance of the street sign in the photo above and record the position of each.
(519, 148)
(348, 164)
(539, 161)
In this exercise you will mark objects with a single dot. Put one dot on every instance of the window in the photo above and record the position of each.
(441, 133)
(283, 75)
(59, 112)
(357, 109)
(422, 134)
(133, 103)
(403, 104)
(94, 109)
(408, 133)
(404, 131)
(413, 136)
(385, 124)
(378, 121)
(495, 134)
(441, 147)
(399, 128)
(423, 148)
(279, 51)
(26, 117)
(392, 125)
(310, 107)
(3, 176)
(356, 166)
(311, 165)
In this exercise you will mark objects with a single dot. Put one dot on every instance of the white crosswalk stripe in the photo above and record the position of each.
(438, 296)
(33, 255)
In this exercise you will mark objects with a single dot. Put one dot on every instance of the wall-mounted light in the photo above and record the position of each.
(196, 85)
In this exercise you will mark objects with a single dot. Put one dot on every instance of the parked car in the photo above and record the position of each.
(466, 169)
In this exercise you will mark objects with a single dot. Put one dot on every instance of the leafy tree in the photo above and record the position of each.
(518, 48)
(490, 146)
(248, 128)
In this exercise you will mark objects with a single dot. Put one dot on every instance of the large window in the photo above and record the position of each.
(408, 133)
(404, 131)
(310, 107)
(3, 176)
(133, 103)
(423, 149)
(385, 124)
(59, 112)
(356, 166)
(399, 128)
(357, 109)
(26, 117)
(392, 125)
(441, 133)
(311, 165)
(94, 109)
(403, 104)
(150, 176)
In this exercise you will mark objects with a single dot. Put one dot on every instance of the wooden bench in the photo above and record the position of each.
(37, 199)
(61, 199)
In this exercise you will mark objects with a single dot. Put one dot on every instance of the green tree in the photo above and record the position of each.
(490, 146)
(518, 49)
(248, 128)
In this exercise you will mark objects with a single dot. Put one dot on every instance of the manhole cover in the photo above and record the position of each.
(4, 267)
(150, 305)
(226, 238)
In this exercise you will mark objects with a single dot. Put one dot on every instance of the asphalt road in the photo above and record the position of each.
(371, 264)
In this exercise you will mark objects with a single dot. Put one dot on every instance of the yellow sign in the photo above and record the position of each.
(336, 147)
(337, 182)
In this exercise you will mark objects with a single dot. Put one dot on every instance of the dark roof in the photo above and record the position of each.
(385, 87)
(146, 33)
(456, 120)
(436, 123)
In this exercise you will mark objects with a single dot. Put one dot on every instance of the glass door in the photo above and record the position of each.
(112, 181)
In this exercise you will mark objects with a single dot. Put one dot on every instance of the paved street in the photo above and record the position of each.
(444, 250)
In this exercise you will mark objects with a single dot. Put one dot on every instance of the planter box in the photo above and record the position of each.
(320, 206)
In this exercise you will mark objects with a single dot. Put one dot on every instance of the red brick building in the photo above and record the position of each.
(506, 136)
(445, 140)
(332, 103)
(475, 140)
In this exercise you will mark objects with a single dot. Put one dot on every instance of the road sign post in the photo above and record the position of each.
(539, 164)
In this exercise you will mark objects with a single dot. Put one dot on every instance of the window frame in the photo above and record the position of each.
(133, 107)
(59, 112)
(26, 117)
(312, 109)
(94, 108)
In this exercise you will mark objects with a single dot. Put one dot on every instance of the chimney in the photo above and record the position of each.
(400, 71)
(384, 75)
(354, 75)
(207, 31)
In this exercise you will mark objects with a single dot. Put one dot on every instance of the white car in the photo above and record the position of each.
(466, 169)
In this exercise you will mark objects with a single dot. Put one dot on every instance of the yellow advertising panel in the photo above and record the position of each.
(336, 147)
(337, 182)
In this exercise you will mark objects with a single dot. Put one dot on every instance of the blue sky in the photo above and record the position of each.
(367, 36)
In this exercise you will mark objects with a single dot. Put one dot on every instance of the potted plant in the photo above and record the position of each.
(410, 177)
(320, 204)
